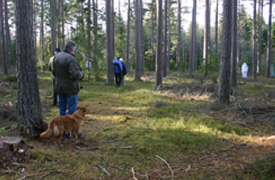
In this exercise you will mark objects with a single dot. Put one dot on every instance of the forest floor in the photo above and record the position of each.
(177, 132)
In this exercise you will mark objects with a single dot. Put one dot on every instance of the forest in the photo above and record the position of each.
(185, 110)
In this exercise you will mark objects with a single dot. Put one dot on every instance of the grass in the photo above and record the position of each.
(127, 127)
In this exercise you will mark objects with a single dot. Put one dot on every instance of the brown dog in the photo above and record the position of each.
(70, 123)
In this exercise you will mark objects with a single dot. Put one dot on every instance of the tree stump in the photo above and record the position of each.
(8, 145)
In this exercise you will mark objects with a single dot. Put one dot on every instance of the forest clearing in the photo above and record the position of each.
(177, 132)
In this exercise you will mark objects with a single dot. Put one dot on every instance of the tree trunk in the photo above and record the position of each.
(193, 40)
(216, 29)
(206, 46)
(141, 36)
(42, 32)
(179, 36)
(268, 52)
(7, 35)
(169, 35)
(29, 106)
(62, 25)
(159, 64)
(224, 85)
(234, 44)
(138, 40)
(260, 22)
(153, 32)
(128, 36)
(109, 48)
(2, 37)
(53, 26)
(254, 45)
(95, 6)
(34, 27)
(165, 40)
(89, 33)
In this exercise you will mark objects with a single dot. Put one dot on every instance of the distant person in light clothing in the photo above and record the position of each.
(244, 70)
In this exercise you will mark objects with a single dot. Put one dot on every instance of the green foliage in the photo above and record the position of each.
(265, 169)
(207, 70)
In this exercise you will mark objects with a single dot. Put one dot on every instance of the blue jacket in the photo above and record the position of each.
(117, 66)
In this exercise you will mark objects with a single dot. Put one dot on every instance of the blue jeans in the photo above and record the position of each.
(68, 102)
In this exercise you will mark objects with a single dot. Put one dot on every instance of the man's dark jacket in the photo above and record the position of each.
(67, 73)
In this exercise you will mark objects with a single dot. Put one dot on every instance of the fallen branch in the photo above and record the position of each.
(223, 150)
(172, 173)
(122, 147)
(103, 169)
(133, 172)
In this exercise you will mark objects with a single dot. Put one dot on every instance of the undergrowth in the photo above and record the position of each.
(127, 129)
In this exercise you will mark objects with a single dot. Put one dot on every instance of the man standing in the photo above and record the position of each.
(67, 72)
(56, 51)
(117, 70)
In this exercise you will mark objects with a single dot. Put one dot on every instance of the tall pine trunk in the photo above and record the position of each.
(165, 40)
(95, 62)
(260, 22)
(254, 45)
(179, 36)
(159, 64)
(29, 106)
(53, 26)
(138, 41)
(268, 52)
(224, 84)
(128, 36)
(42, 32)
(109, 43)
(193, 40)
(2, 39)
(206, 46)
(234, 44)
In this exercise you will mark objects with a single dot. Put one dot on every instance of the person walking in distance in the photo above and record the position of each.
(244, 70)
(56, 51)
(117, 70)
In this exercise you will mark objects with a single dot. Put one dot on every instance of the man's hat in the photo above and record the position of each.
(57, 50)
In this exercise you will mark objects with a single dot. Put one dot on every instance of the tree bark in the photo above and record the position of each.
(234, 44)
(109, 42)
(153, 32)
(169, 35)
(206, 46)
(254, 45)
(53, 26)
(95, 62)
(193, 40)
(159, 64)
(216, 26)
(224, 85)
(128, 36)
(138, 39)
(260, 22)
(268, 52)
(2, 37)
(179, 36)
(29, 106)
(42, 32)
(165, 40)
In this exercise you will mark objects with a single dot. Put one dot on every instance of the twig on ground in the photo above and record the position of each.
(30, 175)
(122, 147)
(189, 167)
(172, 173)
(103, 169)
(133, 172)
(223, 150)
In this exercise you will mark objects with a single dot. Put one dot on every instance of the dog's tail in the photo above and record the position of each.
(46, 133)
